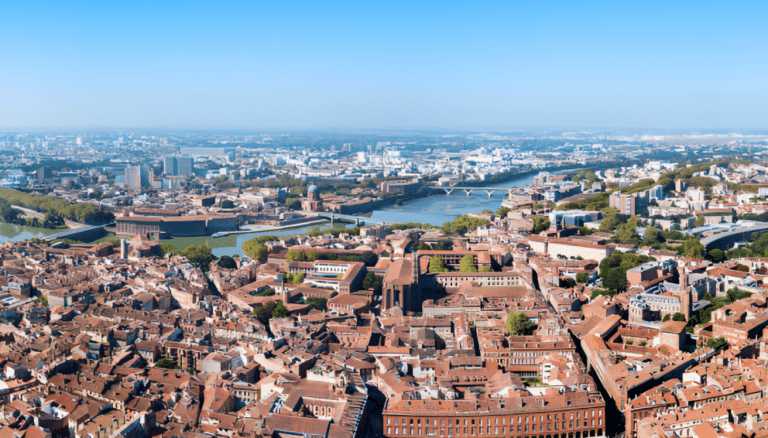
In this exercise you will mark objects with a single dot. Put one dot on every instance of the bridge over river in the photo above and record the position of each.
(85, 234)
(357, 219)
(468, 190)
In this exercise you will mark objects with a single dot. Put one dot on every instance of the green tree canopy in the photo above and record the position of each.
(280, 311)
(317, 303)
(582, 277)
(693, 248)
(293, 203)
(518, 324)
(719, 344)
(437, 265)
(540, 223)
(467, 264)
(652, 237)
(201, 256)
(256, 250)
(616, 280)
(167, 248)
(295, 279)
(716, 255)
(227, 262)
(627, 232)
(462, 224)
(609, 222)
(295, 255)
(373, 281)
(165, 363)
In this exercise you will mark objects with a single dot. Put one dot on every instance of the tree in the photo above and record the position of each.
(627, 232)
(256, 250)
(693, 248)
(295, 255)
(373, 281)
(717, 255)
(280, 311)
(616, 280)
(502, 212)
(540, 223)
(735, 294)
(437, 265)
(582, 277)
(296, 279)
(679, 317)
(518, 324)
(227, 204)
(652, 237)
(317, 303)
(311, 255)
(268, 292)
(568, 283)
(718, 344)
(369, 258)
(227, 262)
(666, 318)
(167, 248)
(467, 264)
(201, 256)
(43, 299)
(166, 363)
(609, 222)
(293, 203)
(11, 215)
(462, 224)
(699, 221)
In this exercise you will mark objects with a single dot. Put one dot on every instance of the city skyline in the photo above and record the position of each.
(397, 66)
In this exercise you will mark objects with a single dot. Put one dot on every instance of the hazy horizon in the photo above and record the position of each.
(395, 66)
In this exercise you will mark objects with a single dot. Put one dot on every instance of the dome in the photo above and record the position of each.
(312, 189)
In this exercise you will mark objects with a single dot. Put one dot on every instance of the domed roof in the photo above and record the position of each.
(312, 189)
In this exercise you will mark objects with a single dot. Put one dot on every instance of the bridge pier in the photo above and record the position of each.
(448, 191)
(357, 222)
(490, 193)
(468, 191)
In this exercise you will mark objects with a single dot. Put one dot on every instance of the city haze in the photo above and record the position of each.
(393, 65)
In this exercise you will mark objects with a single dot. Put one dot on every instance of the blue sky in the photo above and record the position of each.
(384, 65)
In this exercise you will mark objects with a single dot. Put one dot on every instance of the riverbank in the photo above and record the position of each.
(245, 229)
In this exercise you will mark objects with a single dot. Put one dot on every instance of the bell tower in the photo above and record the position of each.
(685, 293)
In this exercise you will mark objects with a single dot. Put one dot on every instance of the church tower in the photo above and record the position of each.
(685, 293)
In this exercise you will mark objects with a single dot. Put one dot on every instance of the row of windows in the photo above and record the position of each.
(429, 431)
(521, 419)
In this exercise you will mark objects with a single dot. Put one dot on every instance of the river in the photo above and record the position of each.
(14, 233)
(436, 210)
(439, 209)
